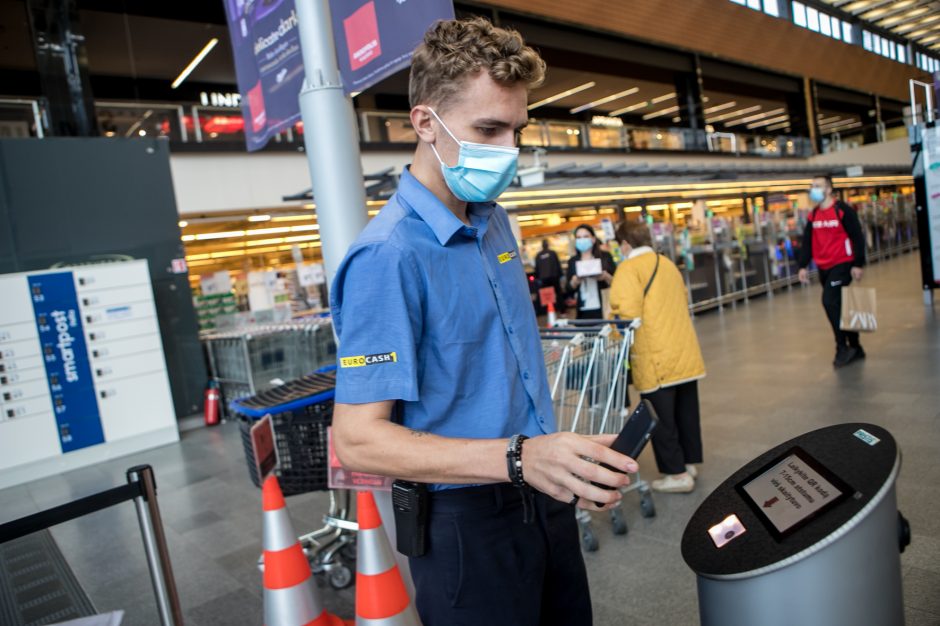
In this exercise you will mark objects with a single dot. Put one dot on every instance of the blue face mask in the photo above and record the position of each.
(817, 195)
(583, 244)
(482, 172)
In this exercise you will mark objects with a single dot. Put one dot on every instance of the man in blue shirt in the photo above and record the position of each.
(441, 376)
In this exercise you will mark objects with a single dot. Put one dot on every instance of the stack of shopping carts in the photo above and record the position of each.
(256, 358)
(588, 365)
(301, 411)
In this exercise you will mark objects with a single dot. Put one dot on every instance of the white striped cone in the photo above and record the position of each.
(381, 597)
(290, 593)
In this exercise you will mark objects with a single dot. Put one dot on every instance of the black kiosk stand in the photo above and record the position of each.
(808, 533)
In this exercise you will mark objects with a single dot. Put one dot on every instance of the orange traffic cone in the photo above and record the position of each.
(290, 593)
(381, 597)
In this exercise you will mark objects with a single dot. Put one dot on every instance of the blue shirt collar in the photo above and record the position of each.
(442, 221)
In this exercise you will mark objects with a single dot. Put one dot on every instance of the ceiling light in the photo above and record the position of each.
(754, 118)
(828, 120)
(196, 61)
(668, 96)
(727, 116)
(904, 16)
(562, 95)
(721, 107)
(183, 223)
(632, 107)
(259, 218)
(772, 120)
(610, 98)
(654, 114)
(785, 125)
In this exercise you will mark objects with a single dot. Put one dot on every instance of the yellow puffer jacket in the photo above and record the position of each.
(666, 350)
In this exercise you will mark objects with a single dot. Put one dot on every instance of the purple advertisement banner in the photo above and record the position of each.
(374, 39)
(268, 64)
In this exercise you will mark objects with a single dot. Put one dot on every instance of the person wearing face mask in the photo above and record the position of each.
(441, 379)
(834, 240)
(586, 286)
(665, 360)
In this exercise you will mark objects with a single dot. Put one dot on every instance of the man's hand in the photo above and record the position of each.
(575, 281)
(605, 276)
(804, 276)
(555, 465)
(857, 273)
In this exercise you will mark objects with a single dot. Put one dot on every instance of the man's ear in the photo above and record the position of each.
(421, 121)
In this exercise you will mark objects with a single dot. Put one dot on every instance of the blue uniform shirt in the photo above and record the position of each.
(438, 314)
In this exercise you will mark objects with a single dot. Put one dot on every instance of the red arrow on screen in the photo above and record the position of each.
(771, 502)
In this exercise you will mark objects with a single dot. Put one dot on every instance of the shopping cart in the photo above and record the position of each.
(255, 358)
(588, 363)
(301, 411)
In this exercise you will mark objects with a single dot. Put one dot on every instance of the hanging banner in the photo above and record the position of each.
(375, 39)
(268, 64)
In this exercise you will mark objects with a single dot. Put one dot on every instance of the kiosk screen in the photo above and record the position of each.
(792, 490)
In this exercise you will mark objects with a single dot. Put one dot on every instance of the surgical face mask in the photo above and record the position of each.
(817, 195)
(583, 244)
(482, 172)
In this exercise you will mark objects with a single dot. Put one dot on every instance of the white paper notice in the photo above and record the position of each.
(591, 267)
(790, 492)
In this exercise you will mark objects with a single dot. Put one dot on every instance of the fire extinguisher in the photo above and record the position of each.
(211, 404)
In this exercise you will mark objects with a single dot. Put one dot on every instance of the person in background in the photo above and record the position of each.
(588, 288)
(666, 361)
(548, 271)
(834, 240)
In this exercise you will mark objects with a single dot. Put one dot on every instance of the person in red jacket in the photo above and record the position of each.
(834, 240)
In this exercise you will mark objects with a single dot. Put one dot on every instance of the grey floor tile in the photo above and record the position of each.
(922, 590)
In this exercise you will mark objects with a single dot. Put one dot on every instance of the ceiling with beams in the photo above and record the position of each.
(916, 20)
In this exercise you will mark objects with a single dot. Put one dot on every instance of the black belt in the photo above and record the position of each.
(498, 495)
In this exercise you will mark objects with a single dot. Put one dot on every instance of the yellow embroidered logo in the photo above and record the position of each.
(368, 359)
(506, 257)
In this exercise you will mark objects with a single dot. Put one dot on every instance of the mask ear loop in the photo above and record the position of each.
(441, 122)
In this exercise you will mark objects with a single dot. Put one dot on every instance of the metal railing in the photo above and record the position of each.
(141, 488)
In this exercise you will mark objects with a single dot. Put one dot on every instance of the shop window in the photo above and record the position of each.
(605, 137)
(564, 135)
(812, 19)
(866, 41)
(772, 7)
(824, 25)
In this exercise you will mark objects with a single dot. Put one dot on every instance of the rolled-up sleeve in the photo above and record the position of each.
(376, 303)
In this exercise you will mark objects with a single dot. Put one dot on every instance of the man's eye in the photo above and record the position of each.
(486, 131)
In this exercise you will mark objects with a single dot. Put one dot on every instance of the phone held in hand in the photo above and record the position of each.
(634, 436)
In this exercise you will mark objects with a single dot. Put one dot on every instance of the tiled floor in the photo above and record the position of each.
(770, 378)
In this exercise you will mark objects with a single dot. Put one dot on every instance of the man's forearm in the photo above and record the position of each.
(379, 446)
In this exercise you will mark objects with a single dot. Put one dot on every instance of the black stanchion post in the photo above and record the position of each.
(158, 556)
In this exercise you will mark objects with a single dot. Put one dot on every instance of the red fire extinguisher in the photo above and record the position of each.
(211, 404)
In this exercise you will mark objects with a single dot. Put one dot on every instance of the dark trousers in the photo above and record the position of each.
(486, 567)
(591, 314)
(677, 439)
(833, 280)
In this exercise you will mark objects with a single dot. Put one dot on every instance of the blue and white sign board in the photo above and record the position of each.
(82, 372)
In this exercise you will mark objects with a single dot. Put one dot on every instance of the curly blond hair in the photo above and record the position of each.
(454, 50)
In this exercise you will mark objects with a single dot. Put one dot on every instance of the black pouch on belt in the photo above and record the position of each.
(410, 502)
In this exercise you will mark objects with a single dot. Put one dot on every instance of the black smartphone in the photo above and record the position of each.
(634, 435)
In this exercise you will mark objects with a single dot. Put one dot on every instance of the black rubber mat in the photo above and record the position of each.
(36, 584)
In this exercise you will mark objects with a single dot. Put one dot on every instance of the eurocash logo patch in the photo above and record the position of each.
(368, 359)
(506, 257)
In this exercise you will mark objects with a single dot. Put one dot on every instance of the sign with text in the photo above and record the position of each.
(792, 491)
(268, 65)
(376, 39)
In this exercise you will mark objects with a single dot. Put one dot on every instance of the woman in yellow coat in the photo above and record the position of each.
(666, 360)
